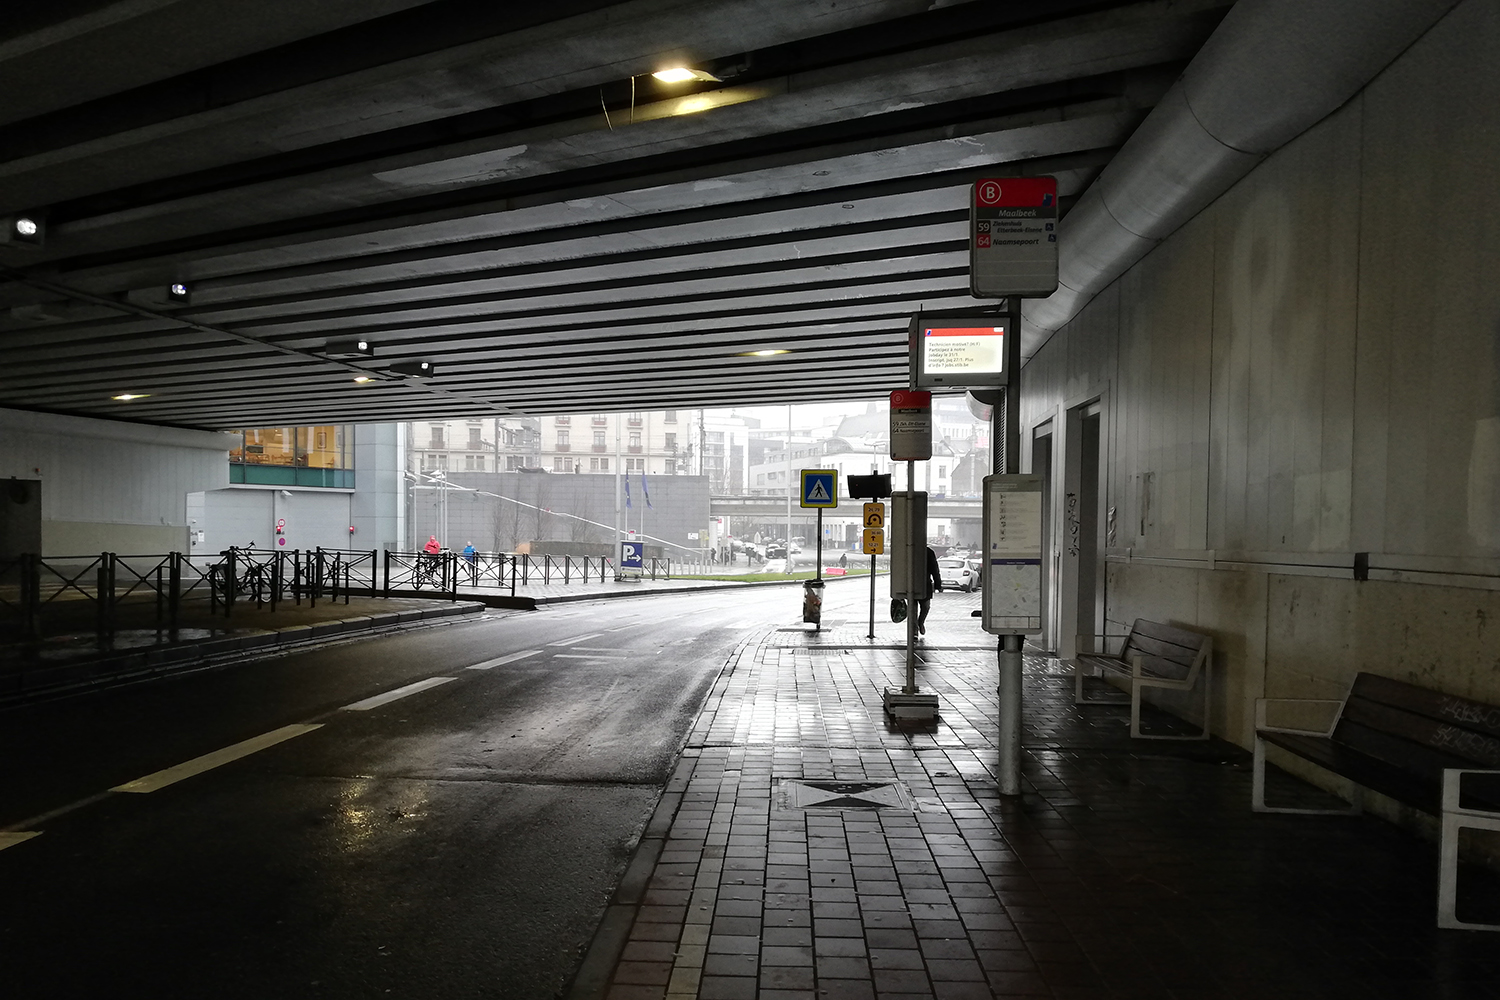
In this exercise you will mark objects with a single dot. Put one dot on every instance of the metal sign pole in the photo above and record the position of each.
(1008, 456)
(818, 569)
(872, 598)
(914, 552)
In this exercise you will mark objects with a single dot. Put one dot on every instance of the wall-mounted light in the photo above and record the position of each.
(26, 229)
(356, 348)
(414, 369)
(682, 74)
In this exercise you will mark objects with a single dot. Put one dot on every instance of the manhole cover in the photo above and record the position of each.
(843, 795)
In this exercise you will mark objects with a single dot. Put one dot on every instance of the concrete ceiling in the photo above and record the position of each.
(505, 191)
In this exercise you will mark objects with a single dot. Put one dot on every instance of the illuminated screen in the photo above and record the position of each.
(963, 349)
(959, 354)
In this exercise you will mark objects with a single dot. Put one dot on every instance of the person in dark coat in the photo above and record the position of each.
(933, 582)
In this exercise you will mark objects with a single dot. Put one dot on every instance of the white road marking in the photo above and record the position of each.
(593, 649)
(587, 656)
(576, 638)
(621, 628)
(20, 837)
(400, 692)
(209, 761)
(743, 625)
(501, 661)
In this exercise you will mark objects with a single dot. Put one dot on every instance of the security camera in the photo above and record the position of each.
(287, 494)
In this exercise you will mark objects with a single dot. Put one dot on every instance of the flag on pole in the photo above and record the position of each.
(644, 491)
(627, 491)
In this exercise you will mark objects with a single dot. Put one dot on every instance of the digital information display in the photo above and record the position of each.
(960, 353)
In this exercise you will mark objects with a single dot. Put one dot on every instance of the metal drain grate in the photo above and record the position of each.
(842, 795)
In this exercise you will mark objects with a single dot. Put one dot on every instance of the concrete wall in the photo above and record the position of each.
(1311, 369)
(246, 516)
(377, 512)
(680, 506)
(108, 485)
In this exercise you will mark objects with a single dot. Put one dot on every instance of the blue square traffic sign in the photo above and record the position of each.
(820, 488)
(632, 555)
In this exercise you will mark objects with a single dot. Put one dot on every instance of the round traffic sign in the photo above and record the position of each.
(281, 522)
(988, 192)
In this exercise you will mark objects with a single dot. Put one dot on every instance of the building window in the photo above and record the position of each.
(563, 421)
(294, 456)
(635, 439)
(669, 416)
(942, 472)
(599, 439)
(561, 463)
(475, 440)
(442, 460)
(669, 467)
(634, 419)
(669, 441)
(562, 437)
(600, 419)
(513, 462)
(635, 465)
(437, 437)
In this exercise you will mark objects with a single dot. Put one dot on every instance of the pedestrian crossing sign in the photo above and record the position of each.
(820, 488)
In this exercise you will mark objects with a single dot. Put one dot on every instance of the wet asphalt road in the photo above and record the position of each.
(460, 841)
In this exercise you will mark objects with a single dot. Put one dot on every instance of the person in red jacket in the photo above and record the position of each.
(432, 547)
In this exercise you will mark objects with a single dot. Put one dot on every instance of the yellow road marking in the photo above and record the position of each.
(12, 839)
(209, 761)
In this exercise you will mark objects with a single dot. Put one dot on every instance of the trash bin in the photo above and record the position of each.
(812, 601)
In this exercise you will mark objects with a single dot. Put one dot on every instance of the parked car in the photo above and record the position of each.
(956, 574)
(976, 568)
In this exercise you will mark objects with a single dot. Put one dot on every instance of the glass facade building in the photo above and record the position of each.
(321, 455)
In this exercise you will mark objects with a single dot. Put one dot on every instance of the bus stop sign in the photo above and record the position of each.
(1013, 237)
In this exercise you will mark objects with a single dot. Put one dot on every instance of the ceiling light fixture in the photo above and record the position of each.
(764, 354)
(177, 291)
(414, 369)
(360, 348)
(681, 74)
(126, 397)
(361, 378)
(27, 229)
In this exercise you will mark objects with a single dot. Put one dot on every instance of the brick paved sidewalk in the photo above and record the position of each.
(806, 848)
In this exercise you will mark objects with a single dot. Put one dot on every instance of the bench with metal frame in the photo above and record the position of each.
(1153, 656)
(1435, 752)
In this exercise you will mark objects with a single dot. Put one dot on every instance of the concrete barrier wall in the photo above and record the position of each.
(475, 512)
(1308, 370)
(107, 485)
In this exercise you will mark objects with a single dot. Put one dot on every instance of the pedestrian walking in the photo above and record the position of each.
(933, 582)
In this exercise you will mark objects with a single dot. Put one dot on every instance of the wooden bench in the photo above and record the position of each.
(1435, 752)
(1153, 655)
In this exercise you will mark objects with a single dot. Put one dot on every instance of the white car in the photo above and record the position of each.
(956, 574)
